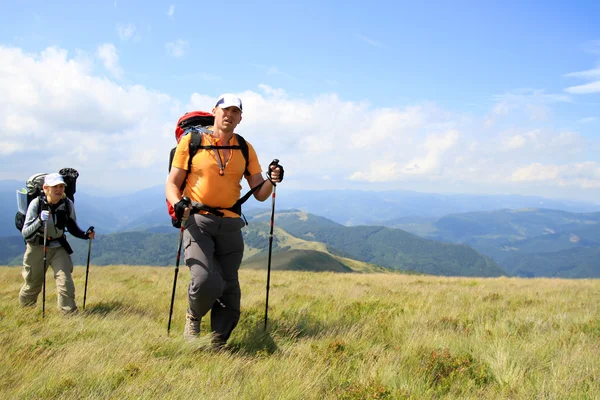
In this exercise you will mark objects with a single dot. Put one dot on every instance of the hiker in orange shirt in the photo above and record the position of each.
(213, 240)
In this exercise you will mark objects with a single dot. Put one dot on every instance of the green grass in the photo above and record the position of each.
(330, 336)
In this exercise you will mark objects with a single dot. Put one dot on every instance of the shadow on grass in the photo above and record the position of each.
(298, 325)
(104, 307)
(254, 340)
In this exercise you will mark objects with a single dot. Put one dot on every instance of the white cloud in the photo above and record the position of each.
(171, 10)
(56, 107)
(269, 91)
(56, 113)
(528, 104)
(588, 88)
(540, 141)
(536, 172)
(378, 171)
(108, 54)
(589, 74)
(390, 125)
(177, 48)
(514, 142)
(592, 75)
(584, 175)
(127, 32)
(432, 161)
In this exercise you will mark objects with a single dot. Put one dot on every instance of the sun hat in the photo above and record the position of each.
(229, 100)
(54, 179)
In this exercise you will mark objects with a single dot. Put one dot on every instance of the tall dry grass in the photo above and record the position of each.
(330, 336)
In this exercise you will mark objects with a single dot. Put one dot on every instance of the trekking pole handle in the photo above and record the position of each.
(274, 163)
(185, 200)
(90, 230)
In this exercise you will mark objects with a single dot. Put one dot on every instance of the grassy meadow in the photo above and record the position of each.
(330, 336)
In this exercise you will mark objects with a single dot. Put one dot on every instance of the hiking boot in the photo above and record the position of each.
(192, 327)
(70, 312)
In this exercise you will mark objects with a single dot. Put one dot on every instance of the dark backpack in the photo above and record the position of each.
(35, 188)
(195, 123)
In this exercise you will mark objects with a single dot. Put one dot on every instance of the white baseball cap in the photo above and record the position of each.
(229, 100)
(54, 179)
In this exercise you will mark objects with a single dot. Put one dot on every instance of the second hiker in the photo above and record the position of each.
(57, 212)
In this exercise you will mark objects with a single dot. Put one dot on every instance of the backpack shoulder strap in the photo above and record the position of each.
(195, 144)
(242, 145)
(42, 203)
(195, 141)
(68, 207)
(244, 149)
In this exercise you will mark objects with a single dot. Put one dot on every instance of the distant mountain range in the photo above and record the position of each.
(526, 242)
(146, 209)
(402, 230)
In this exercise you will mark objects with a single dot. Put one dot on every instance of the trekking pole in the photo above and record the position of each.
(275, 162)
(176, 269)
(87, 269)
(44, 287)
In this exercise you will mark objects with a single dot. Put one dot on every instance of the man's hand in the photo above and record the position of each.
(275, 172)
(90, 233)
(182, 209)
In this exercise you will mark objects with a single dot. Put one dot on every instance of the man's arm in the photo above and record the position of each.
(173, 185)
(265, 191)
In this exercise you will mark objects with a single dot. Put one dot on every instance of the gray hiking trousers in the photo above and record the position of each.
(214, 248)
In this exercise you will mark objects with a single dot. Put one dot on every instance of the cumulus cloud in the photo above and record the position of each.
(177, 48)
(584, 175)
(529, 104)
(127, 32)
(434, 149)
(357, 143)
(108, 54)
(56, 111)
(540, 141)
(514, 142)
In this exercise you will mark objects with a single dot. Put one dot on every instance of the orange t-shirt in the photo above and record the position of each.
(204, 183)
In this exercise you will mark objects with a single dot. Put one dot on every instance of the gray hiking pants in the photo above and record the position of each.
(213, 252)
(33, 274)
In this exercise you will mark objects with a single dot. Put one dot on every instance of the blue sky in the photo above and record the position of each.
(440, 96)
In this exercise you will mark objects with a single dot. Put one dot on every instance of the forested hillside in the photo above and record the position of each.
(377, 246)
